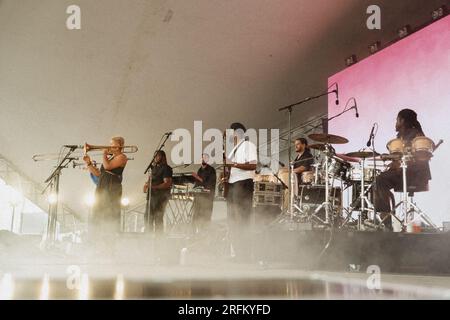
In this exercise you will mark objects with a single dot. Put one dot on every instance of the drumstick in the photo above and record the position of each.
(438, 144)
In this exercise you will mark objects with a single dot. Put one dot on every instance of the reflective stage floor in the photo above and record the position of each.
(141, 268)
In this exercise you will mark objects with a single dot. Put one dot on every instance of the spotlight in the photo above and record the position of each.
(439, 13)
(52, 198)
(351, 60)
(125, 202)
(374, 47)
(89, 200)
(404, 31)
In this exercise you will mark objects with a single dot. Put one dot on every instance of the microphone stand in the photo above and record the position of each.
(374, 190)
(289, 110)
(148, 171)
(53, 184)
(329, 119)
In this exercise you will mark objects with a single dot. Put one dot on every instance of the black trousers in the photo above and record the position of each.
(239, 212)
(105, 218)
(154, 220)
(203, 207)
(384, 198)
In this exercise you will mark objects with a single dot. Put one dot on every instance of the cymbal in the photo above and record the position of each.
(347, 158)
(327, 138)
(388, 157)
(317, 146)
(362, 154)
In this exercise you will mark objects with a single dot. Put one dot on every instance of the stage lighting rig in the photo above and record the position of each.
(404, 31)
(351, 60)
(374, 47)
(439, 13)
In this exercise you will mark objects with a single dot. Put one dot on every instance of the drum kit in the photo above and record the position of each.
(318, 198)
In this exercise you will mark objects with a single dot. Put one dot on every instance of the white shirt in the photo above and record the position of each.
(243, 152)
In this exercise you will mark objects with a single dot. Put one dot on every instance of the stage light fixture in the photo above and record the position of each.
(52, 198)
(404, 31)
(439, 12)
(89, 200)
(351, 60)
(125, 202)
(374, 47)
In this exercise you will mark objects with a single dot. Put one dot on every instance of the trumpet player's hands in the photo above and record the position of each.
(145, 189)
(87, 159)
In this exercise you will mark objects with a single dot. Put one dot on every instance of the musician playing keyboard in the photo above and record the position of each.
(206, 178)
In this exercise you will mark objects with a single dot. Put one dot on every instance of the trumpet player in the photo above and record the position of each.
(107, 208)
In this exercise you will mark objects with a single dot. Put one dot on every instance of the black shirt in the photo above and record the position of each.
(418, 171)
(159, 172)
(208, 175)
(306, 160)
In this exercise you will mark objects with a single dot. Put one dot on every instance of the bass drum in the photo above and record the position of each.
(283, 173)
(311, 198)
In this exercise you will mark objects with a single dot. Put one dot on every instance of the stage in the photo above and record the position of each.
(285, 265)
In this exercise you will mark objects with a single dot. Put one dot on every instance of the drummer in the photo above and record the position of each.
(418, 172)
(304, 160)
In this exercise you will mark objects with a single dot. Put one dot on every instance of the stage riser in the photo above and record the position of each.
(392, 252)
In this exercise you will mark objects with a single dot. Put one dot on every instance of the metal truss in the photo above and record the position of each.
(68, 220)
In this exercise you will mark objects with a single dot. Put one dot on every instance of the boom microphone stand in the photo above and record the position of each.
(53, 184)
(289, 111)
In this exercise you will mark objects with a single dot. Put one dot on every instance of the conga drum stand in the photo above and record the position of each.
(408, 207)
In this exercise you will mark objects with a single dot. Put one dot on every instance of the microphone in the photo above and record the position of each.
(356, 109)
(337, 94)
(168, 133)
(369, 142)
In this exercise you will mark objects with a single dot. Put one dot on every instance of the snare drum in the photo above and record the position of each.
(308, 177)
(355, 174)
(396, 146)
(422, 148)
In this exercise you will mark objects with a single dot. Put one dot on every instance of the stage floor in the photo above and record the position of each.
(142, 268)
(108, 280)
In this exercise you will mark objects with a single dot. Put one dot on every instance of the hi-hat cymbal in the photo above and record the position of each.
(347, 158)
(328, 138)
(317, 146)
(362, 154)
(388, 157)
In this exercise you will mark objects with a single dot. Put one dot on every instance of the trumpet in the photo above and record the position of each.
(125, 149)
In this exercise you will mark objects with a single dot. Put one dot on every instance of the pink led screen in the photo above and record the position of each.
(412, 73)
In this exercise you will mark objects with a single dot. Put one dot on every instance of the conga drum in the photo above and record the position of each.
(422, 148)
(396, 146)
(283, 173)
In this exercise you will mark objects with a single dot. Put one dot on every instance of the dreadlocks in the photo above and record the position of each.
(410, 118)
